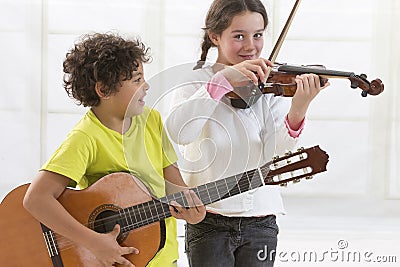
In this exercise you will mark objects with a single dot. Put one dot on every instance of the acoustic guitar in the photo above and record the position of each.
(121, 198)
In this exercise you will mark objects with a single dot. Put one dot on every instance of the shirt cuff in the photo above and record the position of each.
(294, 133)
(218, 86)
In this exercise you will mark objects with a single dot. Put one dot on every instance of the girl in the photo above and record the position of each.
(220, 140)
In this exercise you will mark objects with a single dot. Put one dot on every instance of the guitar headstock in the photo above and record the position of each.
(303, 163)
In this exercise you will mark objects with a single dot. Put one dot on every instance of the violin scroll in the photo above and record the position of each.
(375, 87)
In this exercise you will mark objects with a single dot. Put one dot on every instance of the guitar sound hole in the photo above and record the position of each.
(105, 222)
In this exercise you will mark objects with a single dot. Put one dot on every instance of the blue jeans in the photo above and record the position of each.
(232, 241)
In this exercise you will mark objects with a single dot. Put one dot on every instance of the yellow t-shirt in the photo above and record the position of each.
(91, 151)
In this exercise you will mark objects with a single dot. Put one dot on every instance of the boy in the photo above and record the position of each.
(105, 72)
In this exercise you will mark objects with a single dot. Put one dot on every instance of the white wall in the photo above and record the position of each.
(361, 135)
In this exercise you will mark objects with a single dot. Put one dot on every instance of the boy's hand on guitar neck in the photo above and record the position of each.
(108, 251)
(195, 212)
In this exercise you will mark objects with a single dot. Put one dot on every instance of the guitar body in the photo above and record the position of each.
(23, 244)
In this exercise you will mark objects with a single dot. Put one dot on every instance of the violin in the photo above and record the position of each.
(281, 82)
(281, 78)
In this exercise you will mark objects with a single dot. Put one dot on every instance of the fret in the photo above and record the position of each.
(123, 215)
(235, 189)
(231, 183)
(139, 213)
(245, 181)
(222, 189)
(203, 194)
(208, 193)
(256, 180)
(158, 209)
(132, 210)
(135, 212)
(227, 188)
(149, 208)
(147, 212)
(184, 201)
(212, 191)
(216, 188)
(155, 205)
(127, 212)
(196, 191)
(154, 216)
(162, 207)
(142, 214)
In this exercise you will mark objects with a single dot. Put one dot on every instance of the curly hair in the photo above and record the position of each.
(105, 58)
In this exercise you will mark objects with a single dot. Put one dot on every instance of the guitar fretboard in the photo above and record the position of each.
(158, 209)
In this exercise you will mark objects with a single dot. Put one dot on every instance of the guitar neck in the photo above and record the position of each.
(228, 187)
(292, 167)
(158, 209)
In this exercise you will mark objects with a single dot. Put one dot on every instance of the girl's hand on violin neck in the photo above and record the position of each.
(253, 70)
(308, 87)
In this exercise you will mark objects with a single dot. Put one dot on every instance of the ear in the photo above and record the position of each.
(98, 88)
(214, 38)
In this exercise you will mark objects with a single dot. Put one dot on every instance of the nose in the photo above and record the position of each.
(248, 44)
(146, 86)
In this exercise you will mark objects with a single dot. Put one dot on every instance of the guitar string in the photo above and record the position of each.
(154, 204)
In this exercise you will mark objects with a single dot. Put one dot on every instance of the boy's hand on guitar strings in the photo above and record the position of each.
(193, 213)
(108, 251)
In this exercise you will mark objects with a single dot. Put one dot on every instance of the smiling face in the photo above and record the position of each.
(129, 100)
(242, 40)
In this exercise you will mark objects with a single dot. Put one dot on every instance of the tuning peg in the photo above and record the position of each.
(300, 149)
(295, 181)
(284, 184)
(363, 76)
(364, 93)
(309, 177)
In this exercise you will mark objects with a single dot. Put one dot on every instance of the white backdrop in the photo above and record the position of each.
(361, 135)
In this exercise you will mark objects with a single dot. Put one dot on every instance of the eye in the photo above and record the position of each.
(138, 80)
(239, 37)
(258, 35)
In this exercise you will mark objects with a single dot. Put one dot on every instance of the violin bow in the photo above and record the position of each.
(282, 36)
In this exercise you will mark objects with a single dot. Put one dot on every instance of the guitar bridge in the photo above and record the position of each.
(52, 247)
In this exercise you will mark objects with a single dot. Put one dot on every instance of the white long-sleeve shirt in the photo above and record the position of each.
(219, 141)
